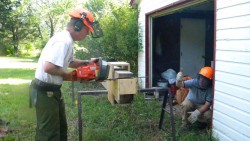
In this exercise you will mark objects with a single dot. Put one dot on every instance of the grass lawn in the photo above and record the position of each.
(101, 121)
(16, 74)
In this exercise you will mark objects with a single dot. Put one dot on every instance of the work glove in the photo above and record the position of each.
(194, 116)
(179, 76)
(70, 76)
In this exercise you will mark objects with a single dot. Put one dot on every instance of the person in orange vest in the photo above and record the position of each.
(196, 106)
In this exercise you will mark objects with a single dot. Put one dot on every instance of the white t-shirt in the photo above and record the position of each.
(58, 51)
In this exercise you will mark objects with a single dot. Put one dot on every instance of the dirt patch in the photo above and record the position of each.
(176, 109)
(4, 129)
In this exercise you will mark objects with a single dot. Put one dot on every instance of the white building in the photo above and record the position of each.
(190, 34)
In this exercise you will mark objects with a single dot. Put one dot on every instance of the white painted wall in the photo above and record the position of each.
(231, 116)
(192, 46)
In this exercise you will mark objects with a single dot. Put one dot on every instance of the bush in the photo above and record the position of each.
(3, 50)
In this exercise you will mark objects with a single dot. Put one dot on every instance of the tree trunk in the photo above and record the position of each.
(16, 50)
(15, 40)
(40, 33)
(51, 26)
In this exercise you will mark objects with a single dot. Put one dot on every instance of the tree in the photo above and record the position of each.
(19, 25)
(121, 35)
(53, 14)
(31, 22)
(5, 10)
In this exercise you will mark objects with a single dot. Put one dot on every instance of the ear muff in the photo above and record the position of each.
(78, 25)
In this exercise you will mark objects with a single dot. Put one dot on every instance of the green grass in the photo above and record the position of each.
(102, 121)
(14, 99)
(16, 73)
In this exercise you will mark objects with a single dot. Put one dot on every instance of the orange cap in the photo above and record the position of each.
(208, 72)
(85, 15)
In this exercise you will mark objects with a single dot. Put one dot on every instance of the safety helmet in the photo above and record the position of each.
(88, 20)
(207, 72)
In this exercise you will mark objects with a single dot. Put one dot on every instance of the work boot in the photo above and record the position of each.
(201, 125)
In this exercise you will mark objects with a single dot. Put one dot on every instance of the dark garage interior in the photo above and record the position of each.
(166, 39)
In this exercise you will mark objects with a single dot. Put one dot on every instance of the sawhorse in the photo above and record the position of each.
(168, 97)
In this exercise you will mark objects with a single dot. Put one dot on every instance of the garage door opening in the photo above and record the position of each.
(183, 39)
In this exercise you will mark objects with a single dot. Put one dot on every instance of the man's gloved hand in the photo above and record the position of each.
(70, 76)
(179, 76)
(74, 75)
(194, 116)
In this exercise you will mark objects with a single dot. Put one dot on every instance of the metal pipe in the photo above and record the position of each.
(96, 92)
(157, 89)
(80, 93)
(73, 93)
(80, 116)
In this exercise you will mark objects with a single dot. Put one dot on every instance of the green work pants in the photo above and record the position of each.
(51, 117)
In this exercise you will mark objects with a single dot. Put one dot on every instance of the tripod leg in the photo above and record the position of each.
(172, 115)
(163, 110)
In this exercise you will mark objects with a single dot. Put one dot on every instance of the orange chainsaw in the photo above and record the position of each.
(98, 71)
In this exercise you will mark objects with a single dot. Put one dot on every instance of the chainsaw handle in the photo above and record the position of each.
(94, 60)
(72, 76)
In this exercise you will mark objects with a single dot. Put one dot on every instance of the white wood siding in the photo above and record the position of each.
(231, 113)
